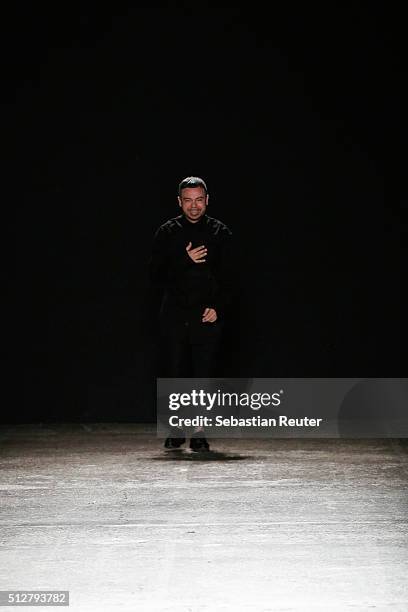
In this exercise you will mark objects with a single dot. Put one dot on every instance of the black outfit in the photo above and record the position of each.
(184, 289)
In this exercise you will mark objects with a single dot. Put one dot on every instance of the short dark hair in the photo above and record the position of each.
(192, 181)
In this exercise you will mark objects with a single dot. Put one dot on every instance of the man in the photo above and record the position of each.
(191, 270)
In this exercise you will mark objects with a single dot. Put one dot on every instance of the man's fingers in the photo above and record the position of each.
(197, 254)
(198, 257)
(209, 315)
(198, 250)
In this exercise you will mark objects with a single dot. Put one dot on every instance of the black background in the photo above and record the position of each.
(296, 119)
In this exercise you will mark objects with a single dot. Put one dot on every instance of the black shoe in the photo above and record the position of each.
(199, 444)
(174, 442)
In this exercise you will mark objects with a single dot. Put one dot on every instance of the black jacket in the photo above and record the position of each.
(179, 283)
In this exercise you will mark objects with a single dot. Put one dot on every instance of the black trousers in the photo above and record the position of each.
(190, 347)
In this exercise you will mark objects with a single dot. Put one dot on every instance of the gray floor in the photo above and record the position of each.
(104, 512)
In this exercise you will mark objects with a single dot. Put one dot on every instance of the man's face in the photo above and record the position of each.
(193, 202)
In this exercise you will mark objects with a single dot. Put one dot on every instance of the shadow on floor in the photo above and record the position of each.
(181, 454)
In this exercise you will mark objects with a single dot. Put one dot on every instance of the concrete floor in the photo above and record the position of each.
(105, 512)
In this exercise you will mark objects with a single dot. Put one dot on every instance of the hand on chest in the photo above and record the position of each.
(198, 240)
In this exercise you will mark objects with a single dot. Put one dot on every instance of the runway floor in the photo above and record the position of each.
(102, 510)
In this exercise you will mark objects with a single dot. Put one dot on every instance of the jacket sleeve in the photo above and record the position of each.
(164, 263)
(157, 263)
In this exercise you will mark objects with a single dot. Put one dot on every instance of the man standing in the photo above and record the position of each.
(191, 270)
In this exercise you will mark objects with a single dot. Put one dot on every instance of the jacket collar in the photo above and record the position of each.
(186, 223)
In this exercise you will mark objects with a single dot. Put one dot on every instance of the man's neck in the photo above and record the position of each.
(193, 221)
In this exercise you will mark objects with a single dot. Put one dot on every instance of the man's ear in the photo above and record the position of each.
(179, 201)
(207, 200)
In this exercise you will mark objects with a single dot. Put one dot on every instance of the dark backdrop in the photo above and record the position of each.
(294, 118)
